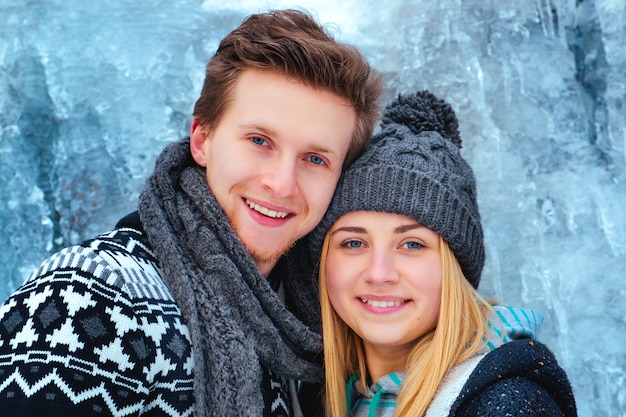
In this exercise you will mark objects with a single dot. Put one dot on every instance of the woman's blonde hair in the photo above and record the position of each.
(459, 334)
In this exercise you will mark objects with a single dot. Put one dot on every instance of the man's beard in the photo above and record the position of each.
(257, 256)
(262, 258)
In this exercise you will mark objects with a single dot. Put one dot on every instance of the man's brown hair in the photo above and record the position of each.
(292, 43)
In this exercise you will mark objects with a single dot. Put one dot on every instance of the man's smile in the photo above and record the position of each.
(265, 211)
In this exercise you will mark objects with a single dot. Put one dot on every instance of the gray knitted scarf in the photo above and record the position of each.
(237, 321)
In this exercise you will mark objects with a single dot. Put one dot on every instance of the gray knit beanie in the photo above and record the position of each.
(414, 167)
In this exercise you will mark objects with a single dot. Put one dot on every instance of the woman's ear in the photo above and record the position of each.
(197, 137)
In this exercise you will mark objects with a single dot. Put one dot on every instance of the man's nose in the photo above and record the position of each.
(281, 178)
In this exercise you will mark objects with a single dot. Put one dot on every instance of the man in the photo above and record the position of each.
(174, 313)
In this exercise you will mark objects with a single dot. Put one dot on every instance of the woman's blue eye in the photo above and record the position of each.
(413, 245)
(258, 140)
(353, 244)
(316, 160)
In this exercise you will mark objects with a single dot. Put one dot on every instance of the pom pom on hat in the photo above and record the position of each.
(423, 112)
(413, 167)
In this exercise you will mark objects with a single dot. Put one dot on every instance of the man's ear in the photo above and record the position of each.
(198, 137)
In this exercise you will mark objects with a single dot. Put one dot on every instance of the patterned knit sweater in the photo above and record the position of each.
(96, 332)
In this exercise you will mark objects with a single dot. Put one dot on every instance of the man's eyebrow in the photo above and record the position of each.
(265, 130)
(351, 229)
(323, 150)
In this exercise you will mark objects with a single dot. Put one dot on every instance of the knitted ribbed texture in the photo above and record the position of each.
(414, 167)
(236, 320)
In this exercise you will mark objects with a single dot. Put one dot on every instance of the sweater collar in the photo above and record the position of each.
(372, 397)
(512, 323)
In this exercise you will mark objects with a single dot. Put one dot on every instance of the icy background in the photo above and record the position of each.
(90, 92)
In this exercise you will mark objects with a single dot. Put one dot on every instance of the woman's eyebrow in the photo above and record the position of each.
(407, 227)
(351, 229)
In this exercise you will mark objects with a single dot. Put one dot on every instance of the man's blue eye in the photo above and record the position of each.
(258, 140)
(316, 160)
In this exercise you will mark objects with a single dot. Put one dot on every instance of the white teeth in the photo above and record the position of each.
(265, 211)
(382, 304)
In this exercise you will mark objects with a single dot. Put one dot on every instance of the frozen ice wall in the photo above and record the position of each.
(90, 92)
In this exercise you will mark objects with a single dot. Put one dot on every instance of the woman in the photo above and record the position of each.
(401, 253)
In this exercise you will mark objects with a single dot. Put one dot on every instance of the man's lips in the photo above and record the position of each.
(274, 214)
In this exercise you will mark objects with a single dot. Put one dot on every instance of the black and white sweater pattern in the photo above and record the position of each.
(95, 331)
